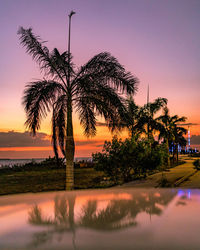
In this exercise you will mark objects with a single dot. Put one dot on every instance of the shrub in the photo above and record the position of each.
(196, 164)
(124, 160)
(164, 182)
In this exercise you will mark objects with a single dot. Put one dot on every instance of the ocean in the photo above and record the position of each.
(11, 162)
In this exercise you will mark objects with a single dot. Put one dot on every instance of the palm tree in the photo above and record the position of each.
(149, 111)
(93, 89)
(169, 129)
(179, 138)
(140, 120)
(132, 118)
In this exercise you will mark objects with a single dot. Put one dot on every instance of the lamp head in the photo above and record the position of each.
(72, 13)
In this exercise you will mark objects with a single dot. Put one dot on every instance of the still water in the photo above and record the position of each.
(101, 219)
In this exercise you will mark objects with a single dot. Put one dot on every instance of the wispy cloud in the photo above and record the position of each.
(19, 139)
(13, 139)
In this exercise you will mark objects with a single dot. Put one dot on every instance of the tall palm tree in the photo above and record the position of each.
(93, 89)
(169, 129)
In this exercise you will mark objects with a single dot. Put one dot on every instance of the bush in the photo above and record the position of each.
(196, 164)
(124, 160)
(164, 182)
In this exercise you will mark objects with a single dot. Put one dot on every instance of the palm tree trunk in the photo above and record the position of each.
(132, 131)
(70, 148)
(71, 203)
(168, 155)
(177, 153)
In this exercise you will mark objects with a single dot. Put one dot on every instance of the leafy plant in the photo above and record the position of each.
(196, 164)
(124, 160)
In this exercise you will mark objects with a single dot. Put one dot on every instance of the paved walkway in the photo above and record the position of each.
(181, 176)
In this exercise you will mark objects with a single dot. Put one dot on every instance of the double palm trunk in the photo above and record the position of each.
(70, 148)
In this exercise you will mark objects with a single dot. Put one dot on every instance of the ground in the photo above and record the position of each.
(184, 176)
(45, 179)
(42, 178)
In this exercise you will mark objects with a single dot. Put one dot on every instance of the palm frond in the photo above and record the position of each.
(37, 100)
(54, 136)
(105, 68)
(104, 102)
(60, 110)
(40, 53)
(87, 116)
(34, 46)
(155, 106)
(60, 63)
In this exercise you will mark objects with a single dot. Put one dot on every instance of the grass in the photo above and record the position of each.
(47, 176)
(41, 177)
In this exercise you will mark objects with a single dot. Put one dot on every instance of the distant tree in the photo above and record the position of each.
(141, 120)
(179, 138)
(93, 89)
(149, 111)
(170, 131)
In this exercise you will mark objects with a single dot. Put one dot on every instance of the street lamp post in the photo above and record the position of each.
(70, 146)
(69, 40)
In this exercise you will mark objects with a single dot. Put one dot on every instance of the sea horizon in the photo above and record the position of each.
(18, 161)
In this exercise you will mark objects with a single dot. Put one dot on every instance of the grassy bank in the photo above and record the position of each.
(34, 177)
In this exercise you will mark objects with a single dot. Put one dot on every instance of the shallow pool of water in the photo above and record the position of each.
(101, 219)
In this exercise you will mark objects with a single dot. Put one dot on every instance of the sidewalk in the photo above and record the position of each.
(181, 176)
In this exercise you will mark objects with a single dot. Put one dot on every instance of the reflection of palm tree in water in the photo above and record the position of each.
(63, 220)
(151, 202)
(117, 214)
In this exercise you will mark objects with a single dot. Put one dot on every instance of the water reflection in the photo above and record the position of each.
(63, 220)
(100, 215)
(101, 219)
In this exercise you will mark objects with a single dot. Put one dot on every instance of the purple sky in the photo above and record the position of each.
(157, 40)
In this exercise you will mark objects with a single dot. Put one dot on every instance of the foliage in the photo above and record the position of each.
(164, 182)
(170, 130)
(139, 120)
(197, 154)
(196, 164)
(48, 163)
(124, 160)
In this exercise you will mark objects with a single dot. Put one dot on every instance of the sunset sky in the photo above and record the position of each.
(157, 40)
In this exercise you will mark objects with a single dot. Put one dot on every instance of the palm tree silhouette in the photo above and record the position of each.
(149, 111)
(133, 118)
(93, 89)
(170, 131)
(108, 219)
(140, 120)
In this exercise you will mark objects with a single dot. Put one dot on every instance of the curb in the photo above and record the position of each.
(184, 178)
